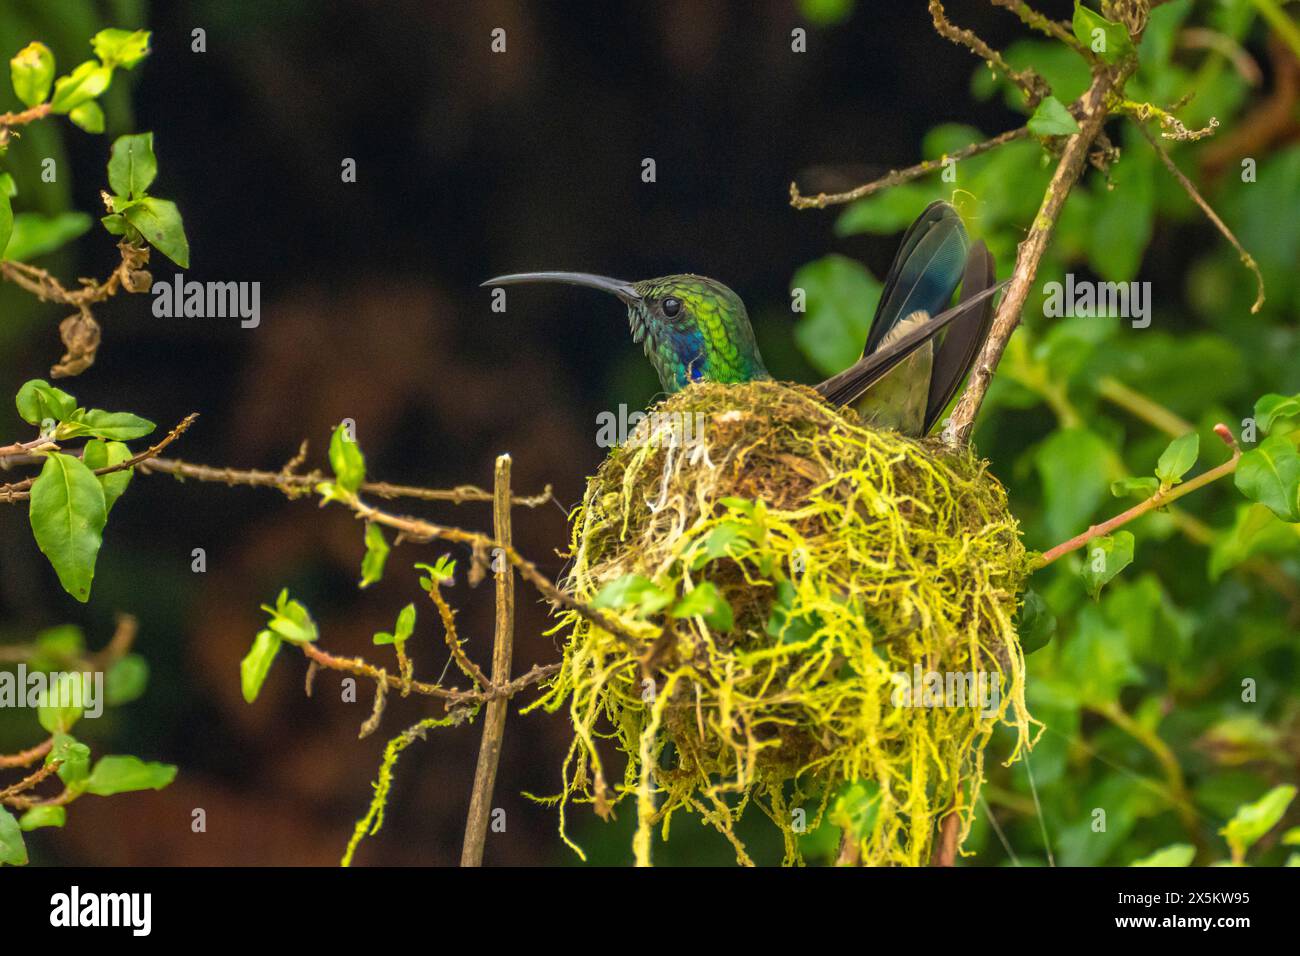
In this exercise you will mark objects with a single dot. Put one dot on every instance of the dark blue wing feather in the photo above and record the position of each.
(925, 272)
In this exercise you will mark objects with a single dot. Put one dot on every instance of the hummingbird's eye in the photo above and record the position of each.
(671, 307)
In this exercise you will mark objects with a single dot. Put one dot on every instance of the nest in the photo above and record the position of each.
(784, 592)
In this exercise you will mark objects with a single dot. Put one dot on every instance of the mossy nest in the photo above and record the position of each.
(772, 576)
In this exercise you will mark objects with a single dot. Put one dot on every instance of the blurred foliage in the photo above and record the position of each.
(1169, 699)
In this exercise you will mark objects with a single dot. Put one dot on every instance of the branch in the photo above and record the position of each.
(899, 176)
(1246, 258)
(1160, 499)
(1029, 82)
(361, 668)
(20, 490)
(494, 723)
(296, 485)
(80, 332)
(1093, 113)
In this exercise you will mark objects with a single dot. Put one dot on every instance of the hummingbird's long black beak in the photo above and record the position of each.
(624, 290)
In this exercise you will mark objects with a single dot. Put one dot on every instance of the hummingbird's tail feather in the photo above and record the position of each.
(849, 385)
(955, 355)
(924, 273)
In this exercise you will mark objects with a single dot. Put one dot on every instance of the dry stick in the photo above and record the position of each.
(1032, 18)
(1246, 258)
(26, 758)
(1033, 86)
(19, 490)
(1030, 253)
(899, 176)
(945, 853)
(11, 794)
(494, 723)
(1158, 500)
(295, 484)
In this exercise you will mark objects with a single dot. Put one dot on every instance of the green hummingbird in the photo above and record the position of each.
(917, 353)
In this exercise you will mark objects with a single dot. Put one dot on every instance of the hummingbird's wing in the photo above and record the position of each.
(956, 353)
(924, 273)
(848, 385)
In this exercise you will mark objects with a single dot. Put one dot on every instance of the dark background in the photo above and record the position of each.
(469, 164)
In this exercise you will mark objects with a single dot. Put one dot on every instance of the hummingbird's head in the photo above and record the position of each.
(693, 328)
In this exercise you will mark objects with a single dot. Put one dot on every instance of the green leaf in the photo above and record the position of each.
(124, 48)
(290, 620)
(1134, 487)
(132, 165)
(6, 222)
(257, 664)
(1255, 530)
(38, 817)
(1177, 460)
(826, 13)
(59, 647)
(1051, 118)
(73, 758)
(1179, 854)
(67, 514)
(1074, 466)
(38, 401)
(98, 454)
(372, 565)
(126, 680)
(786, 626)
(62, 703)
(13, 852)
(1291, 837)
(1036, 623)
(704, 600)
(633, 591)
(841, 297)
(347, 461)
(1109, 40)
(119, 426)
(1270, 474)
(88, 116)
(36, 234)
(405, 627)
(1253, 820)
(1106, 557)
(1097, 659)
(1271, 409)
(855, 807)
(32, 72)
(159, 221)
(83, 84)
(124, 774)
(438, 574)
(8, 186)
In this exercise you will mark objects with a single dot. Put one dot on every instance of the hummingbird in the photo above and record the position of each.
(917, 352)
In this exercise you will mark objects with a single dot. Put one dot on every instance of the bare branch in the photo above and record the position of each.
(898, 176)
(494, 723)
(1093, 113)
(1246, 258)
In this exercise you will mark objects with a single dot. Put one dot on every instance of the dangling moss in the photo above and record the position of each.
(844, 557)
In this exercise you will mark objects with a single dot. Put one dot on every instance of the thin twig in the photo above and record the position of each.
(494, 721)
(20, 490)
(1093, 114)
(25, 758)
(1160, 499)
(899, 176)
(1033, 86)
(295, 485)
(1246, 258)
